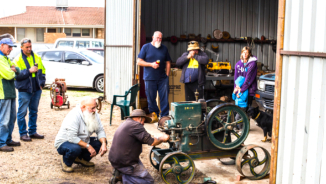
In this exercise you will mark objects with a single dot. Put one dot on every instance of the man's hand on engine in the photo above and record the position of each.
(159, 140)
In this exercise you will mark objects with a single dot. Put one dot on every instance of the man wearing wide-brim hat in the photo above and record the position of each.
(127, 146)
(193, 63)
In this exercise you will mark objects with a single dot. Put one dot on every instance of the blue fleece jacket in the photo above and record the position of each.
(242, 101)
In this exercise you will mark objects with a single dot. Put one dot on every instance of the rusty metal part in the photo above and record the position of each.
(226, 35)
(191, 36)
(278, 86)
(243, 158)
(303, 53)
(173, 39)
(214, 47)
(217, 34)
(162, 121)
(203, 40)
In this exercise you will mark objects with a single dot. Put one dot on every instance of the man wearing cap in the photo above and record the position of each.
(29, 84)
(73, 140)
(127, 146)
(193, 63)
(156, 60)
(8, 71)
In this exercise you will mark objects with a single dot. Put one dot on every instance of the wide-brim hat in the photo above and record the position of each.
(140, 113)
(193, 45)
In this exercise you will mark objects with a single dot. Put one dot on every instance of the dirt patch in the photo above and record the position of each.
(39, 162)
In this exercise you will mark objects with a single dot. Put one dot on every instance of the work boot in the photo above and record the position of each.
(116, 176)
(6, 149)
(36, 136)
(84, 162)
(66, 168)
(154, 118)
(25, 138)
(13, 143)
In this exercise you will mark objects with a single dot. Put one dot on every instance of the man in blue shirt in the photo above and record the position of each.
(156, 60)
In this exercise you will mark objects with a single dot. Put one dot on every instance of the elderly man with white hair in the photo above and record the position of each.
(156, 60)
(73, 140)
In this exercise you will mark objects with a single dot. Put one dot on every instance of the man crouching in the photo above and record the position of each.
(127, 146)
(73, 141)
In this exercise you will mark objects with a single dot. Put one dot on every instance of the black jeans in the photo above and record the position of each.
(190, 89)
(71, 151)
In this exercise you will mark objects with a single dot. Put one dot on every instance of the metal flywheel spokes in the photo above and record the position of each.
(257, 164)
(227, 126)
(177, 167)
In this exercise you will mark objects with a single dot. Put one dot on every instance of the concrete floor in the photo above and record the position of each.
(226, 173)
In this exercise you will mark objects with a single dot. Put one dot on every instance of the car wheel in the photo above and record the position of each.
(99, 84)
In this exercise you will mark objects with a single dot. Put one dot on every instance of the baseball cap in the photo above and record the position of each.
(7, 41)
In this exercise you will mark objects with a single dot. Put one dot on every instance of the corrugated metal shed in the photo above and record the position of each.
(245, 18)
(302, 131)
(119, 41)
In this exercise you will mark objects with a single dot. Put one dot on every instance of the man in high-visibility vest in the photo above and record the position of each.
(8, 71)
(29, 84)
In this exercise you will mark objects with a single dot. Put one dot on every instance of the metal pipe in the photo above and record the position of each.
(104, 50)
(303, 53)
(277, 93)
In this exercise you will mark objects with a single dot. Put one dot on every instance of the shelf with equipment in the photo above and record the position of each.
(230, 40)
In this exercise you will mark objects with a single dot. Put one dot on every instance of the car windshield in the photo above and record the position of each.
(93, 56)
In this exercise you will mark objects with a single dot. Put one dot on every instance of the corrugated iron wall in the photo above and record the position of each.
(245, 18)
(302, 130)
(119, 41)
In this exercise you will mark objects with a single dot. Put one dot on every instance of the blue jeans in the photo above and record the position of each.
(151, 88)
(136, 174)
(30, 101)
(71, 151)
(7, 120)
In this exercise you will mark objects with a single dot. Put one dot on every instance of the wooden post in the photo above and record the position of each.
(277, 93)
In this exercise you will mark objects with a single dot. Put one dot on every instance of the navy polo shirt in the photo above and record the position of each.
(149, 53)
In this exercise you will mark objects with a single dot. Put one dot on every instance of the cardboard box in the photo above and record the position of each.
(176, 88)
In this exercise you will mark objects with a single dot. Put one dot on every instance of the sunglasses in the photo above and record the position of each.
(190, 43)
(25, 41)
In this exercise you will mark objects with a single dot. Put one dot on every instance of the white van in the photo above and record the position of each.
(79, 43)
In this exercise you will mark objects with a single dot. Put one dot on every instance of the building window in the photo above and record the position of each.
(86, 32)
(52, 30)
(59, 30)
(76, 33)
(39, 34)
(20, 34)
(68, 31)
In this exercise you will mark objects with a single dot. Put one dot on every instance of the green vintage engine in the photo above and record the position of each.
(187, 127)
(205, 130)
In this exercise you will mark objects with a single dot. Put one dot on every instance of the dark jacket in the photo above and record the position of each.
(249, 71)
(127, 144)
(202, 59)
(23, 81)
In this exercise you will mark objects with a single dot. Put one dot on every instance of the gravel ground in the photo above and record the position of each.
(39, 162)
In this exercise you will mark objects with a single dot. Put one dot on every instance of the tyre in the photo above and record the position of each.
(99, 84)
